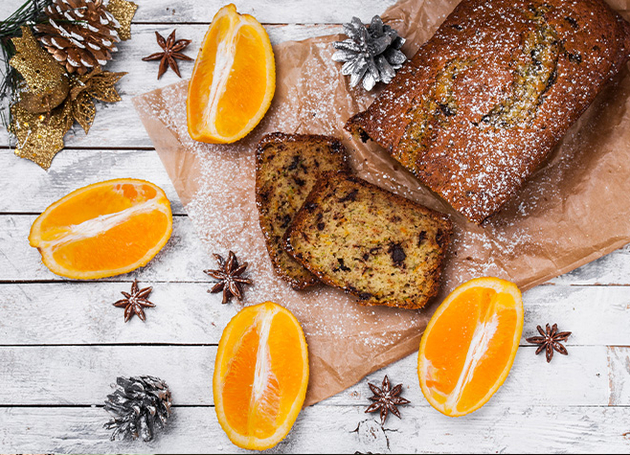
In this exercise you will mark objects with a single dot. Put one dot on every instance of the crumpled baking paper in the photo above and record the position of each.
(575, 208)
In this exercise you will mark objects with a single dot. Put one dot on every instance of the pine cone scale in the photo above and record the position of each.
(371, 53)
(139, 406)
(80, 34)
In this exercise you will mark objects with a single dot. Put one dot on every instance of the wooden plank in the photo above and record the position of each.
(334, 429)
(184, 257)
(80, 375)
(611, 269)
(36, 189)
(266, 11)
(595, 315)
(619, 374)
(81, 312)
(117, 125)
(142, 75)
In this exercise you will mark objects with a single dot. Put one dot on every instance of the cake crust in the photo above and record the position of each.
(287, 168)
(484, 101)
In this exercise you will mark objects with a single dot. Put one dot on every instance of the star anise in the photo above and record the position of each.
(134, 302)
(386, 399)
(171, 53)
(229, 276)
(550, 341)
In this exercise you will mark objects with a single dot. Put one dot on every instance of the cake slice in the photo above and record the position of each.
(287, 167)
(383, 248)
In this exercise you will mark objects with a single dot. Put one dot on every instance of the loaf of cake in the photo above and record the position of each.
(380, 247)
(484, 101)
(287, 167)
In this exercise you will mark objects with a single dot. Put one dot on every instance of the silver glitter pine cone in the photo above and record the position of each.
(139, 406)
(371, 54)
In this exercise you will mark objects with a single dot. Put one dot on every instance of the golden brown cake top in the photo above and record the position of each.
(484, 101)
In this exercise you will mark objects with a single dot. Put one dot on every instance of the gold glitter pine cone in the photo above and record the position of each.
(79, 34)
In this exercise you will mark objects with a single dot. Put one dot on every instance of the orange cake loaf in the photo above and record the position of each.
(484, 101)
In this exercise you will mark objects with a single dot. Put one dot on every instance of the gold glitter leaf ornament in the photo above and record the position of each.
(48, 100)
(39, 136)
(123, 11)
(97, 84)
(100, 85)
(45, 83)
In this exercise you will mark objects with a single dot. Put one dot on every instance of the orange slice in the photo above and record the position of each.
(469, 346)
(260, 376)
(233, 80)
(103, 229)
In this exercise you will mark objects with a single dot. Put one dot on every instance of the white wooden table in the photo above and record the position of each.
(62, 342)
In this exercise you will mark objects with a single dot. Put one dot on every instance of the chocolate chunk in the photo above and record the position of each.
(575, 58)
(320, 224)
(264, 195)
(351, 196)
(342, 266)
(294, 164)
(552, 80)
(446, 110)
(310, 206)
(397, 253)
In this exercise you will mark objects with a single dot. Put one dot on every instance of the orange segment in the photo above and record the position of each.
(260, 376)
(469, 345)
(233, 81)
(103, 229)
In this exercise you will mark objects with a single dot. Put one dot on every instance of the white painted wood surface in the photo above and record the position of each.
(62, 343)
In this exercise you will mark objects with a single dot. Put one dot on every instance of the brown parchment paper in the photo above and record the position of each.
(574, 210)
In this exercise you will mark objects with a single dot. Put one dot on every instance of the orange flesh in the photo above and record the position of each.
(470, 344)
(105, 251)
(242, 104)
(104, 229)
(239, 380)
(233, 80)
(199, 85)
(103, 200)
(261, 375)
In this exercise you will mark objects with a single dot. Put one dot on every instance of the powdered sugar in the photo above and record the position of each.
(546, 230)
(217, 185)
